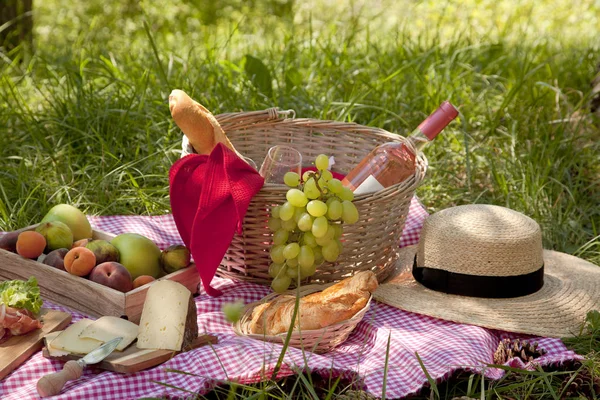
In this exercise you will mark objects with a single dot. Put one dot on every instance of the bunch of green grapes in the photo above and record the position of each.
(307, 228)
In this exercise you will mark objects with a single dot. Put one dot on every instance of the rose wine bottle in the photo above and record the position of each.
(393, 162)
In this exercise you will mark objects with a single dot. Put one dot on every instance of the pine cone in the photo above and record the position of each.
(524, 350)
(584, 385)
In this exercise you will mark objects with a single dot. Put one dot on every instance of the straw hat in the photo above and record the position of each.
(484, 265)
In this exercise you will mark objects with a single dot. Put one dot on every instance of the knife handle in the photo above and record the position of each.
(52, 384)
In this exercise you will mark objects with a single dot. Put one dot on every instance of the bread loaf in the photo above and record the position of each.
(318, 310)
(197, 123)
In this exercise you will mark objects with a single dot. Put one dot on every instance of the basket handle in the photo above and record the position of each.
(238, 119)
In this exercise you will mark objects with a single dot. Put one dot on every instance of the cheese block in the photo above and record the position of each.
(69, 339)
(51, 350)
(168, 320)
(107, 328)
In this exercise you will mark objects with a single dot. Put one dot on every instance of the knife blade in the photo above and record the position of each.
(52, 384)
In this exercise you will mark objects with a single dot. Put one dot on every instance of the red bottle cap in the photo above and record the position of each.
(438, 120)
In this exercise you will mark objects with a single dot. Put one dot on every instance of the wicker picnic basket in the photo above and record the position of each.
(369, 244)
(317, 341)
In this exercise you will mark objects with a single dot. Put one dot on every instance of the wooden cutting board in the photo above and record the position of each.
(133, 359)
(17, 349)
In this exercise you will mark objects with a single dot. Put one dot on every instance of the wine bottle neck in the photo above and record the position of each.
(418, 139)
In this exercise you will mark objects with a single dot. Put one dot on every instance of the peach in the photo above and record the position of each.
(31, 244)
(80, 261)
(113, 275)
(142, 280)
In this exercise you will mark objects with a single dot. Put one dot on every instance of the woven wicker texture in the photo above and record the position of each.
(498, 241)
(318, 340)
(370, 244)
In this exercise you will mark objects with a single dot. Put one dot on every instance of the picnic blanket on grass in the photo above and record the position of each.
(443, 347)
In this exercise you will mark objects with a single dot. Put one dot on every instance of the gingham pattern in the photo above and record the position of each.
(442, 346)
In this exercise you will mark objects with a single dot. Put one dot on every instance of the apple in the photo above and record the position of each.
(138, 254)
(57, 234)
(103, 250)
(73, 218)
(56, 259)
(8, 241)
(174, 258)
(113, 275)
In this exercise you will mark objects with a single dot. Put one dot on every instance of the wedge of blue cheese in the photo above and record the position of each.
(169, 318)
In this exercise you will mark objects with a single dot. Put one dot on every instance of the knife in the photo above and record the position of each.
(52, 384)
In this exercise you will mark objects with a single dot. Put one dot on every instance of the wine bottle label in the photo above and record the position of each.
(369, 185)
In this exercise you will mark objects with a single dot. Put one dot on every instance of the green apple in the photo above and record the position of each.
(73, 218)
(138, 254)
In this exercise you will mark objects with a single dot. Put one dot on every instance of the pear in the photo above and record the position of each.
(73, 218)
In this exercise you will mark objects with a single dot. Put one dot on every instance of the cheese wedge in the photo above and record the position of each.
(107, 328)
(168, 319)
(69, 339)
(51, 350)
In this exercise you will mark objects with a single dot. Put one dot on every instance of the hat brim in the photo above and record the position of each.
(571, 289)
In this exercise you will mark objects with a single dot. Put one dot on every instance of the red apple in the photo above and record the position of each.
(113, 275)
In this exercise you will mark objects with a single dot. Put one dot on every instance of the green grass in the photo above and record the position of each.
(84, 119)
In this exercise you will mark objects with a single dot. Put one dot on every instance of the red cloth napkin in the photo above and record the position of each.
(209, 199)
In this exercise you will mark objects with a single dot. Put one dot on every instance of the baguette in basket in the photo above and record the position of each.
(335, 304)
(197, 123)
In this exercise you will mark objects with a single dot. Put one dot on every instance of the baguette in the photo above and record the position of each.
(317, 310)
(197, 123)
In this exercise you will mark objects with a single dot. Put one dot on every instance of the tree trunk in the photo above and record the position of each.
(17, 16)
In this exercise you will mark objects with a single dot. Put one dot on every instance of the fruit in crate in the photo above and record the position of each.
(174, 258)
(138, 254)
(8, 241)
(79, 261)
(81, 242)
(30, 244)
(308, 227)
(57, 234)
(73, 218)
(56, 258)
(103, 250)
(113, 275)
(142, 280)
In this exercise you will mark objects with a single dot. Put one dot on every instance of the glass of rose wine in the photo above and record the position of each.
(279, 160)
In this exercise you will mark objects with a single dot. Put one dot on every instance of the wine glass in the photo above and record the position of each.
(279, 160)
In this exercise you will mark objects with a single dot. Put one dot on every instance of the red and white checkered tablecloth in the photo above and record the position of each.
(444, 347)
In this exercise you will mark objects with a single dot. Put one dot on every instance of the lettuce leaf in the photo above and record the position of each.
(21, 294)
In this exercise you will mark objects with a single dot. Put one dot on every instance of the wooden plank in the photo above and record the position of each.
(17, 349)
(63, 288)
(133, 359)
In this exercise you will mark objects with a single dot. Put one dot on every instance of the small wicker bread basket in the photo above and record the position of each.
(317, 341)
(370, 244)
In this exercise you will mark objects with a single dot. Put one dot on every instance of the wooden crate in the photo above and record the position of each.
(84, 295)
